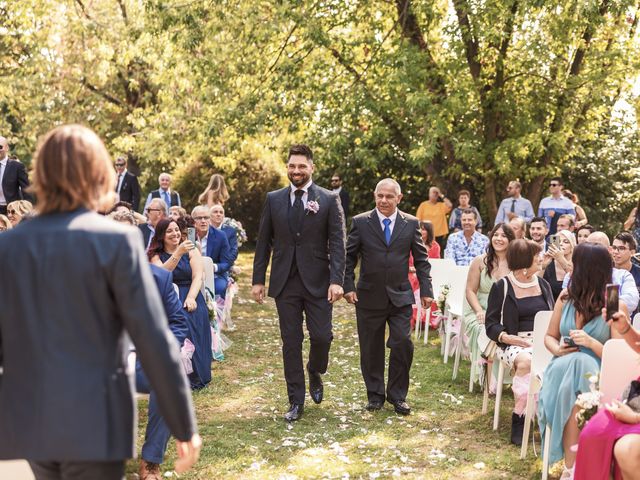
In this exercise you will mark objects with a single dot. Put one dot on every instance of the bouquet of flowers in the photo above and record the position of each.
(442, 297)
(588, 402)
(240, 232)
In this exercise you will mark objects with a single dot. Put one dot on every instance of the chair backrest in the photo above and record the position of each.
(541, 356)
(455, 299)
(636, 321)
(440, 272)
(620, 365)
(209, 280)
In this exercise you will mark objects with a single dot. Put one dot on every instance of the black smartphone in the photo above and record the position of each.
(568, 341)
(612, 299)
(191, 234)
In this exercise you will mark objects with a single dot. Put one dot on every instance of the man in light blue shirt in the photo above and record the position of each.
(514, 205)
(556, 204)
(467, 244)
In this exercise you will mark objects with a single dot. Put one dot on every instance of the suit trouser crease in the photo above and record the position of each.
(78, 470)
(294, 301)
(157, 434)
(371, 333)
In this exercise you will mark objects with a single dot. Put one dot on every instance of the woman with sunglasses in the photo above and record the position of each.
(17, 210)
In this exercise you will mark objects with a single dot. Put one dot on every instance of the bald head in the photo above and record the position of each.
(4, 148)
(600, 238)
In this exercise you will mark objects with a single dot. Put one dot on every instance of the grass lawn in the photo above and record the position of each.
(240, 414)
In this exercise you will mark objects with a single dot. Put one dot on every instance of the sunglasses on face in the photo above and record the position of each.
(154, 209)
(554, 184)
(12, 212)
(119, 164)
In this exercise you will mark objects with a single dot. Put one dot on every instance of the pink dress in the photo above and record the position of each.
(595, 448)
(433, 252)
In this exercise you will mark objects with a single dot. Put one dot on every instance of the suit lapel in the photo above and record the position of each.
(374, 223)
(312, 196)
(400, 225)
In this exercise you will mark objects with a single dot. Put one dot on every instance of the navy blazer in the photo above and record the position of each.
(130, 190)
(218, 250)
(72, 286)
(172, 304)
(232, 236)
(14, 182)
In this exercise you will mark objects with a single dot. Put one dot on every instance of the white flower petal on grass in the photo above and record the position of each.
(479, 465)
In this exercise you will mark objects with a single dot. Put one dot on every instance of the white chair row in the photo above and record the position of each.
(440, 270)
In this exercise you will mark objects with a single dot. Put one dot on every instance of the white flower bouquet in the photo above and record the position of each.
(588, 402)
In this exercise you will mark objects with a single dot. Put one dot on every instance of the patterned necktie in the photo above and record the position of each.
(167, 198)
(387, 230)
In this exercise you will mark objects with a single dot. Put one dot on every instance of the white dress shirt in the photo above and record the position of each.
(305, 195)
(391, 217)
(120, 179)
(3, 166)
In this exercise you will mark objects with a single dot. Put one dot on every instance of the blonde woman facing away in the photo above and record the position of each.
(215, 193)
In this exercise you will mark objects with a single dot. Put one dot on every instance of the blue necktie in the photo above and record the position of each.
(167, 199)
(387, 230)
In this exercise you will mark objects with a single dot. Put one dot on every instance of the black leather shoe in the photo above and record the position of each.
(295, 412)
(517, 428)
(316, 389)
(374, 405)
(401, 407)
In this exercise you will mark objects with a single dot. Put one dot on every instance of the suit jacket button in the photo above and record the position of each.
(297, 234)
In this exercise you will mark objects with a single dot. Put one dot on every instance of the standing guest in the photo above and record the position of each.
(512, 306)
(69, 337)
(336, 187)
(215, 193)
(515, 205)
(5, 223)
(171, 198)
(216, 219)
(156, 211)
(484, 271)
(13, 178)
(455, 220)
(557, 262)
(435, 210)
(581, 217)
(519, 227)
(127, 186)
(577, 314)
(583, 233)
(566, 222)
(17, 210)
(167, 250)
(383, 239)
(176, 212)
(632, 223)
(214, 244)
(465, 245)
(304, 225)
(556, 204)
(538, 232)
(623, 248)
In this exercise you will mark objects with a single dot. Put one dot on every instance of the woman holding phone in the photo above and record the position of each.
(170, 251)
(558, 260)
(576, 319)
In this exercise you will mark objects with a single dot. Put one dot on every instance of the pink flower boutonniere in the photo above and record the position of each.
(312, 207)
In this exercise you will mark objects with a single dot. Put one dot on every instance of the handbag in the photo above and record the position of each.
(487, 346)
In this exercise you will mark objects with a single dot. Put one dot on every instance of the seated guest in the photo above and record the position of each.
(623, 248)
(583, 233)
(167, 250)
(215, 193)
(433, 251)
(17, 209)
(557, 261)
(216, 220)
(455, 220)
(215, 245)
(124, 217)
(155, 211)
(429, 239)
(483, 272)
(5, 223)
(467, 244)
(538, 232)
(566, 222)
(577, 314)
(509, 320)
(613, 430)
(519, 227)
(127, 207)
(176, 212)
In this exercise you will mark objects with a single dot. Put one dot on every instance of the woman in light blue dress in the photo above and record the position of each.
(577, 314)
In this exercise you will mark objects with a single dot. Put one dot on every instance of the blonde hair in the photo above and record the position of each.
(5, 222)
(218, 189)
(22, 207)
(569, 236)
(72, 170)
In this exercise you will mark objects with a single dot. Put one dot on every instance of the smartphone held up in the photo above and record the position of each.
(612, 299)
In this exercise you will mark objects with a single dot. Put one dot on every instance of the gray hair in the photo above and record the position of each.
(163, 174)
(391, 181)
(161, 204)
(197, 208)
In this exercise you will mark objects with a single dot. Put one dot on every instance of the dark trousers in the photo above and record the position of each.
(371, 333)
(295, 300)
(78, 470)
(442, 241)
(157, 435)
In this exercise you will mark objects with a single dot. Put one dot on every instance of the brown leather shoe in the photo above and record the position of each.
(149, 471)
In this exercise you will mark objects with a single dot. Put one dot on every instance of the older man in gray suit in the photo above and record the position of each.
(72, 284)
(383, 239)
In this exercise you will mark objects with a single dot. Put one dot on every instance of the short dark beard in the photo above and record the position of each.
(299, 183)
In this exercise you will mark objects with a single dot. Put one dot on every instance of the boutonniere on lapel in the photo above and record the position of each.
(312, 207)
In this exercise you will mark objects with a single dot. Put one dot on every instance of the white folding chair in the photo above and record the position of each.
(440, 269)
(539, 361)
(209, 275)
(454, 309)
(636, 321)
(619, 367)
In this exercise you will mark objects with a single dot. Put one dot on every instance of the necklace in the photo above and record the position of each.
(531, 284)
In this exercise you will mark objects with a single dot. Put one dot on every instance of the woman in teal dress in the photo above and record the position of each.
(577, 314)
(484, 270)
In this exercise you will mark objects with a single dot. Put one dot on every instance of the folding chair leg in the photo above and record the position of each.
(473, 369)
(485, 390)
(528, 419)
(545, 452)
(426, 325)
(496, 410)
(458, 352)
(447, 336)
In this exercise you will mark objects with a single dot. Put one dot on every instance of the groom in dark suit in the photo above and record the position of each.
(304, 225)
(383, 239)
